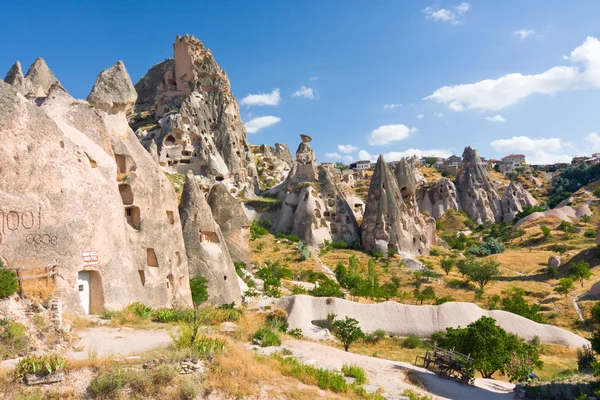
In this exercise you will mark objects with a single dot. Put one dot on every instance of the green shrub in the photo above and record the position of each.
(257, 231)
(591, 233)
(346, 330)
(304, 250)
(489, 246)
(267, 337)
(8, 281)
(290, 237)
(239, 268)
(514, 302)
(14, 340)
(585, 358)
(552, 271)
(40, 365)
(411, 342)
(299, 289)
(163, 375)
(442, 300)
(566, 227)
(171, 315)
(527, 210)
(109, 384)
(328, 288)
(374, 337)
(296, 333)
(139, 309)
(205, 346)
(376, 254)
(199, 288)
(356, 372)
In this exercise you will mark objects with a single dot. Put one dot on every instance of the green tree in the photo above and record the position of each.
(596, 312)
(199, 288)
(597, 192)
(465, 266)
(580, 271)
(565, 285)
(372, 276)
(341, 166)
(8, 281)
(426, 294)
(545, 231)
(490, 346)
(514, 302)
(304, 250)
(347, 331)
(483, 272)
(447, 265)
(353, 264)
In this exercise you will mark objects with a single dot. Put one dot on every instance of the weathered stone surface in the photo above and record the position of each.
(205, 246)
(65, 193)
(36, 83)
(229, 215)
(193, 117)
(439, 198)
(478, 197)
(314, 206)
(514, 198)
(390, 223)
(554, 261)
(113, 90)
(273, 164)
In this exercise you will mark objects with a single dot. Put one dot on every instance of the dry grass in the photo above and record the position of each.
(38, 289)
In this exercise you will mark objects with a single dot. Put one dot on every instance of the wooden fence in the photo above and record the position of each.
(49, 272)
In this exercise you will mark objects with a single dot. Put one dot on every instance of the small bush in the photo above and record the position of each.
(163, 375)
(290, 237)
(171, 315)
(8, 282)
(585, 358)
(109, 384)
(14, 340)
(257, 230)
(199, 288)
(566, 227)
(139, 309)
(267, 337)
(411, 342)
(374, 337)
(590, 233)
(206, 346)
(40, 365)
(552, 271)
(356, 372)
(328, 288)
(442, 300)
(299, 289)
(296, 333)
(376, 254)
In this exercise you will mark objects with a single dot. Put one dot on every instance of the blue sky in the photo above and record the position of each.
(357, 57)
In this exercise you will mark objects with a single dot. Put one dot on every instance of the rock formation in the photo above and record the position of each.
(408, 181)
(439, 198)
(514, 198)
(36, 83)
(273, 164)
(314, 206)
(478, 197)
(389, 222)
(186, 107)
(205, 246)
(78, 191)
(229, 215)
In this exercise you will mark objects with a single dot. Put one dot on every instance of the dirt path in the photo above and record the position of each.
(122, 341)
(389, 375)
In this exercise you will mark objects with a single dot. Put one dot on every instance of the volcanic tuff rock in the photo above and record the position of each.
(477, 195)
(229, 215)
(408, 181)
(72, 182)
(514, 198)
(273, 164)
(439, 198)
(186, 106)
(389, 222)
(36, 83)
(205, 245)
(314, 206)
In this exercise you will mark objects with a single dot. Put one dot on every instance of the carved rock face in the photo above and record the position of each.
(194, 118)
(89, 199)
(514, 199)
(439, 198)
(206, 247)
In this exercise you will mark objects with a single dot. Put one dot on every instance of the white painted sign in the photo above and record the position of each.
(90, 258)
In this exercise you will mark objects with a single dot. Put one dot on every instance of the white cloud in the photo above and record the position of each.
(391, 106)
(524, 33)
(346, 148)
(262, 99)
(496, 118)
(496, 94)
(447, 15)
(594, 140)
(537, 151)
(463, 8)
(397, 155)
(420, 116)
(259, 123)
(438, 114)
(313, 78)
(386, 134)
(338, 157)
(304, 91)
